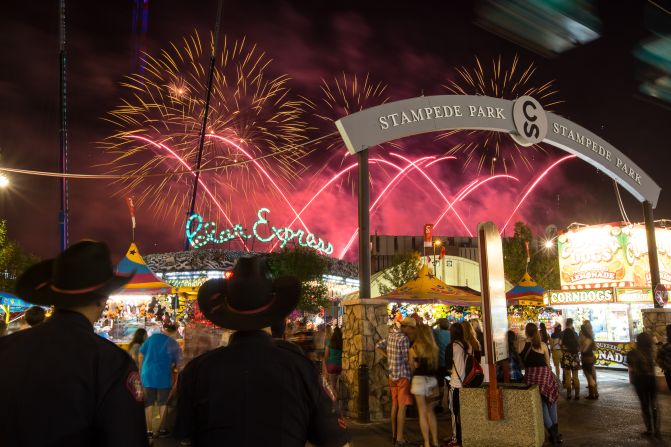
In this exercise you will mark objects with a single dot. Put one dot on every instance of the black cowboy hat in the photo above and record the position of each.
(250, 298)
(80, 274)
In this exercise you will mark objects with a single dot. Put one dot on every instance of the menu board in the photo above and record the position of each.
(604, 256)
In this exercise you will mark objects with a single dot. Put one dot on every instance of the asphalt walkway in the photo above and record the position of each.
(613, 420)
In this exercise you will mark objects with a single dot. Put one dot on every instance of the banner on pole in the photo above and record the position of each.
(131, 209)
(428, 237)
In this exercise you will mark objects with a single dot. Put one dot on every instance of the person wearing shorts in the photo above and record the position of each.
(423, 355)
(159, 356)
(156, 396)
(395, 347)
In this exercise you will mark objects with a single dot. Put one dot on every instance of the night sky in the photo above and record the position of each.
(413, 49)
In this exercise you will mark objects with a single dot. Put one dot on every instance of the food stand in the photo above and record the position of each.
(525, 304)
(12, 307)
(145, 302)
(431, 298)
(605, 278)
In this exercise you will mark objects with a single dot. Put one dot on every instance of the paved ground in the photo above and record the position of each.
(613, 420)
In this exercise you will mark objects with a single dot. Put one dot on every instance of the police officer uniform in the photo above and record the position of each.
(256, 391)
(63, 385)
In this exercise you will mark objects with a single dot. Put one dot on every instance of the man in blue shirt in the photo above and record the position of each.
(159, 356)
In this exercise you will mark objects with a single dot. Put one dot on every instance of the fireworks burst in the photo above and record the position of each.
(165, 105)
(509, 83)
(344, 95)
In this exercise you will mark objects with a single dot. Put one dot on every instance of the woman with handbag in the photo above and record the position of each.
(538, 371)
(423, 358)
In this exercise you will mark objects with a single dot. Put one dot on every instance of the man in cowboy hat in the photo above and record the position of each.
(63, 384)
(255, 391)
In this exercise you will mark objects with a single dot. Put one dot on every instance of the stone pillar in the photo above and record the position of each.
(654, 323)
(364, 325)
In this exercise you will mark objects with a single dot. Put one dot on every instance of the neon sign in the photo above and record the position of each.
(199, 234)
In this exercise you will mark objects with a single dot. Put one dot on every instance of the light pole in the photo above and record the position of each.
(435, 244)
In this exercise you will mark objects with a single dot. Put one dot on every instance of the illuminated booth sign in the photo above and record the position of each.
(199, 234)
(603, 256)
(556, 298)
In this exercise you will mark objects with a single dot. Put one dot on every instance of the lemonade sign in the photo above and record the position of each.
(603, 256)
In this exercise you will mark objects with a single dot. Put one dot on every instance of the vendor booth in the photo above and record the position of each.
(431, 298)
(525, 305)
(145, 302)
(12, 306)
(605, 278)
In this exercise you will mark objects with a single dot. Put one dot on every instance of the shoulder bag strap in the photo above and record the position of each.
(455, 366)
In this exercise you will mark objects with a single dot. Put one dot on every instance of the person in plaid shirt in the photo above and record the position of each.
(395, 347)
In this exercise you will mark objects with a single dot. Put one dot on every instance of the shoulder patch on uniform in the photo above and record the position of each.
(134, 385)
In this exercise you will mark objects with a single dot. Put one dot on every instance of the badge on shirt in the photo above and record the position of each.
(134, 385)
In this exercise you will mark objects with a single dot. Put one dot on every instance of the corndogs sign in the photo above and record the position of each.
(524, 119)
(605, 256)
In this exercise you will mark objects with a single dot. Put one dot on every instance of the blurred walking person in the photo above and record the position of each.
(588, 358)
(642, 376)
(423, 355)
(333, 357)
(139, 337)
(664, 357)
(555, 346)
(570, 361)
(480, 337)
(538, 371)
(442, 336)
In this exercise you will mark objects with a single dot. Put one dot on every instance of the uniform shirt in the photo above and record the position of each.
(396, 345)
(255, 392)
(62, 385)
(160, 353)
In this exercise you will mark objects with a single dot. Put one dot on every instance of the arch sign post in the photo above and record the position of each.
(526, 122)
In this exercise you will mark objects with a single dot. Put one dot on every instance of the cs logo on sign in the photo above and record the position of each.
(530, 121)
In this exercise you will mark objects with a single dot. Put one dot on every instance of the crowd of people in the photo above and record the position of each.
(421, 364)
(70, 386)
(418, 361)
(91, 392)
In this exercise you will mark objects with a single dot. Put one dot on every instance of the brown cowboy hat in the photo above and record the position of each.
(250, 298)
(80, 274)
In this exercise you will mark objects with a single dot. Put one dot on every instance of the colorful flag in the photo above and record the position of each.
(131, 209)
(428, 239)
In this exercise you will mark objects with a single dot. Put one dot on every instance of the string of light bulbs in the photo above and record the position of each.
(160, 174)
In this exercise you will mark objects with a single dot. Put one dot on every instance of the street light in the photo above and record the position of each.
(4, 181)
(435, 244)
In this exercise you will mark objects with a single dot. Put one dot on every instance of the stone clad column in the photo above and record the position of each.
(364, 325)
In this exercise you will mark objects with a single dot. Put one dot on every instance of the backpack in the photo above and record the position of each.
(474, 375)
(664, 358)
